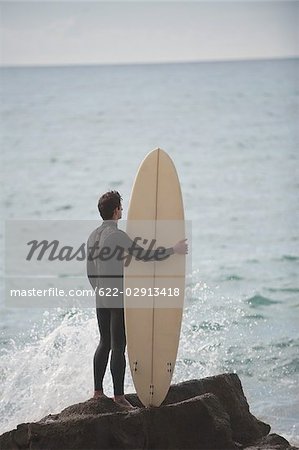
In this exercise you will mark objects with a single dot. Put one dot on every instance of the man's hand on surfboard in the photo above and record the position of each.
(181, 247)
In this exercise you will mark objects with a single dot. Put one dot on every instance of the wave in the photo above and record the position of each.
(208, 326)
(287, 343)
(255, 317)
(290, 258)
(259, 300)
(291, 290)
(234, 277)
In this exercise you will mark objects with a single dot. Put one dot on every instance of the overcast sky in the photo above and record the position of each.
(38, 33)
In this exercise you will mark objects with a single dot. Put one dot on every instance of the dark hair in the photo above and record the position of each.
(107, 204)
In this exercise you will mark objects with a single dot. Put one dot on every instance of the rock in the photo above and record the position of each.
(211, 413)
(228, 389)
(271, 442)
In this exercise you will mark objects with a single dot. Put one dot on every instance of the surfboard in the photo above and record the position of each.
(153, 316)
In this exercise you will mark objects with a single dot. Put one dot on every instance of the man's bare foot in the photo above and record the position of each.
(99, 394)
(121, 400)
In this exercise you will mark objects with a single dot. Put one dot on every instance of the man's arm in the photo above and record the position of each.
(141, 253)
(90, 265)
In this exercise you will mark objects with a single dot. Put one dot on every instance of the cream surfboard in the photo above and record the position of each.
(154, 291)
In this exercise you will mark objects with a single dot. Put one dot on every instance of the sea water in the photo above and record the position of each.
(69, 134)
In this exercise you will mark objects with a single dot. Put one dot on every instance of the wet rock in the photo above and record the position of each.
(211, 413)
(271, 442)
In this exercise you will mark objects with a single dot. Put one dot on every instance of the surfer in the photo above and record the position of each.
(106, 275)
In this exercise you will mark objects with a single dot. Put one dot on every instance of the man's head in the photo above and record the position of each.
(109, 205)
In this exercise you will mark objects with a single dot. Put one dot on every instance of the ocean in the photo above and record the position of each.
(68, 134)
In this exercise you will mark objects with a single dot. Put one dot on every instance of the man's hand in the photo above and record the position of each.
(181, 248)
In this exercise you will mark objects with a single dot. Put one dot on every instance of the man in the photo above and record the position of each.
(107, 247)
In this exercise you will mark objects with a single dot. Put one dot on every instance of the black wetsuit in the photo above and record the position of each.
(107, 274)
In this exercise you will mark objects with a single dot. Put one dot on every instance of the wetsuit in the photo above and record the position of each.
(106, 271)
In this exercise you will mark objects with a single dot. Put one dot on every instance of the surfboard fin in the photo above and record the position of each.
(169, 367)
(151, 390)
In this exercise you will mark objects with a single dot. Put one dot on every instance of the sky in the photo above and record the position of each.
(97, 32)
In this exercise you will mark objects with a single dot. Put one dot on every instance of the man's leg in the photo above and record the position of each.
(118, 345)
(118, 360)
(101, 355)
